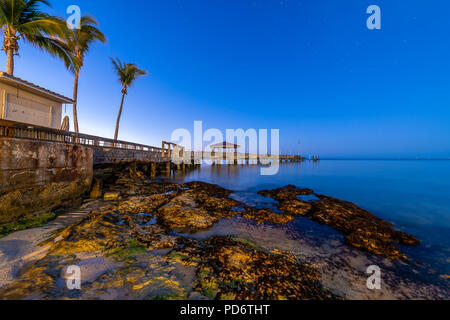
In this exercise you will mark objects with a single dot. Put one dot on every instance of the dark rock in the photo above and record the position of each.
(361, 229)
(267, 216)
(230, 269)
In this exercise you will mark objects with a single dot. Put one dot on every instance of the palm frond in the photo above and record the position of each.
(24, 19)
(127, 73)
(56, 49)
(79, 41)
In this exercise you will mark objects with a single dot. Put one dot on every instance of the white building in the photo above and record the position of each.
(25, 102)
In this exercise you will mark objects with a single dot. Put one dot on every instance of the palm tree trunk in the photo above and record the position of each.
(11, 47)
(10, 62)
(75, 98)
(116, 135)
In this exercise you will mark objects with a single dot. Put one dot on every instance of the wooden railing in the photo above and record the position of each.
(12, 129)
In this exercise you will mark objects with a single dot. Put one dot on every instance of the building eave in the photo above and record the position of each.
(33, 88)
(225, 145)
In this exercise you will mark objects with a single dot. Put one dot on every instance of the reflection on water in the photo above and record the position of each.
(308, 198)
(411, 194)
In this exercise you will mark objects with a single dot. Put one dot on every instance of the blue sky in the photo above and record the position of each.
(309, 68)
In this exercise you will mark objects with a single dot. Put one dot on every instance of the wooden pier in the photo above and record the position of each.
(165, 159)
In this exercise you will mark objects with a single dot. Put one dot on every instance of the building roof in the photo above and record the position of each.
(31, 87)
(225, 145)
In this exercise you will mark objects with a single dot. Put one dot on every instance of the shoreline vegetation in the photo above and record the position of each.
(27, 223)
(128, 247)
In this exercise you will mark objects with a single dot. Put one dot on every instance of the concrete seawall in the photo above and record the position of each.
(38, 176)
(104, 155)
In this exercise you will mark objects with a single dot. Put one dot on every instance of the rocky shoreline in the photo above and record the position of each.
(127, 247)
(361, 228)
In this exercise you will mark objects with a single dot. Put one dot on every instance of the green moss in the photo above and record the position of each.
(207, 283)
(14, 205)
(132, 249)
(177, 256)
(247, 242)
(28, 223)
(182, 258)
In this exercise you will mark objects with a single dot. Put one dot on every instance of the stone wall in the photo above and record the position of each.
(104, 155)
(39, 176)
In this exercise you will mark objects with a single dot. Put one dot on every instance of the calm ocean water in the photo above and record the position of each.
(414, 195)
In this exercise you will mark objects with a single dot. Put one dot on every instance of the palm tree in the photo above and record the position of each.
(78, 43)
(127, 73)
(22, 19)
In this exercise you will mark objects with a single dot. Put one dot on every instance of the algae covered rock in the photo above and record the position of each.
(111, 196)
(32, 202)
(141, 258)
(97, 189)
(197, 208)
(262, 216)
(361, 229)
(230, 269)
